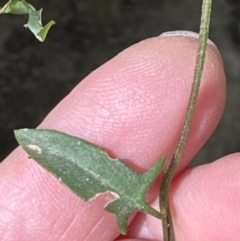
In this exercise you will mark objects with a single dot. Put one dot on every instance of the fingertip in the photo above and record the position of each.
(204, 204)
(212, 95)
(138, 100)
(205, 200)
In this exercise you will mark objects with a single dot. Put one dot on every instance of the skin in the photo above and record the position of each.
(133, 106)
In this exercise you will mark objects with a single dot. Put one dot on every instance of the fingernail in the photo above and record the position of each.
(186, 34)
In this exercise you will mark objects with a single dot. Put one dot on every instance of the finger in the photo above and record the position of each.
(134, 107)
(204, 202)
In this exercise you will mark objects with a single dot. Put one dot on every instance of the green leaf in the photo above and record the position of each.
(34, 17)
(88, 171)
(35, 24)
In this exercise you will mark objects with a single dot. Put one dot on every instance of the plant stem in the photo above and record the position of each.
(5, 6)
(167, 224)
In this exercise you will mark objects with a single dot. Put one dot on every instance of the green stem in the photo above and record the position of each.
(5, 6)
(168, 230)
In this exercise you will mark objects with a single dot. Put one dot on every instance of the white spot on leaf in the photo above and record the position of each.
(114, 196)
(35, 148)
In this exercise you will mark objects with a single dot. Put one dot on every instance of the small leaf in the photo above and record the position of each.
(88, 171)
(34, 17)
(35, 24)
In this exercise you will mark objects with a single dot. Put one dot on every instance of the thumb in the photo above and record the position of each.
(133, 106)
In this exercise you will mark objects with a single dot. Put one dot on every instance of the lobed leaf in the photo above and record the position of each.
(34, 17)
(88, 171)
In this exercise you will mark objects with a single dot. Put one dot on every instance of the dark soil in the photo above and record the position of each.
(35, 76)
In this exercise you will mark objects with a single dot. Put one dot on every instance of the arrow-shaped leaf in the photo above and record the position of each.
(34, 17)
(88, 171)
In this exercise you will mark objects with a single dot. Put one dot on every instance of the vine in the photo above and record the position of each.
(167, 224)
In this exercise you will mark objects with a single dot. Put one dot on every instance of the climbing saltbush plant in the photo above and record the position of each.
(87, 169)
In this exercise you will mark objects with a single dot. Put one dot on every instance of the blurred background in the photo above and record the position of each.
(35, 76)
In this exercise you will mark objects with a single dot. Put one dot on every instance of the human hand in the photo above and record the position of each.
(133, 106)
